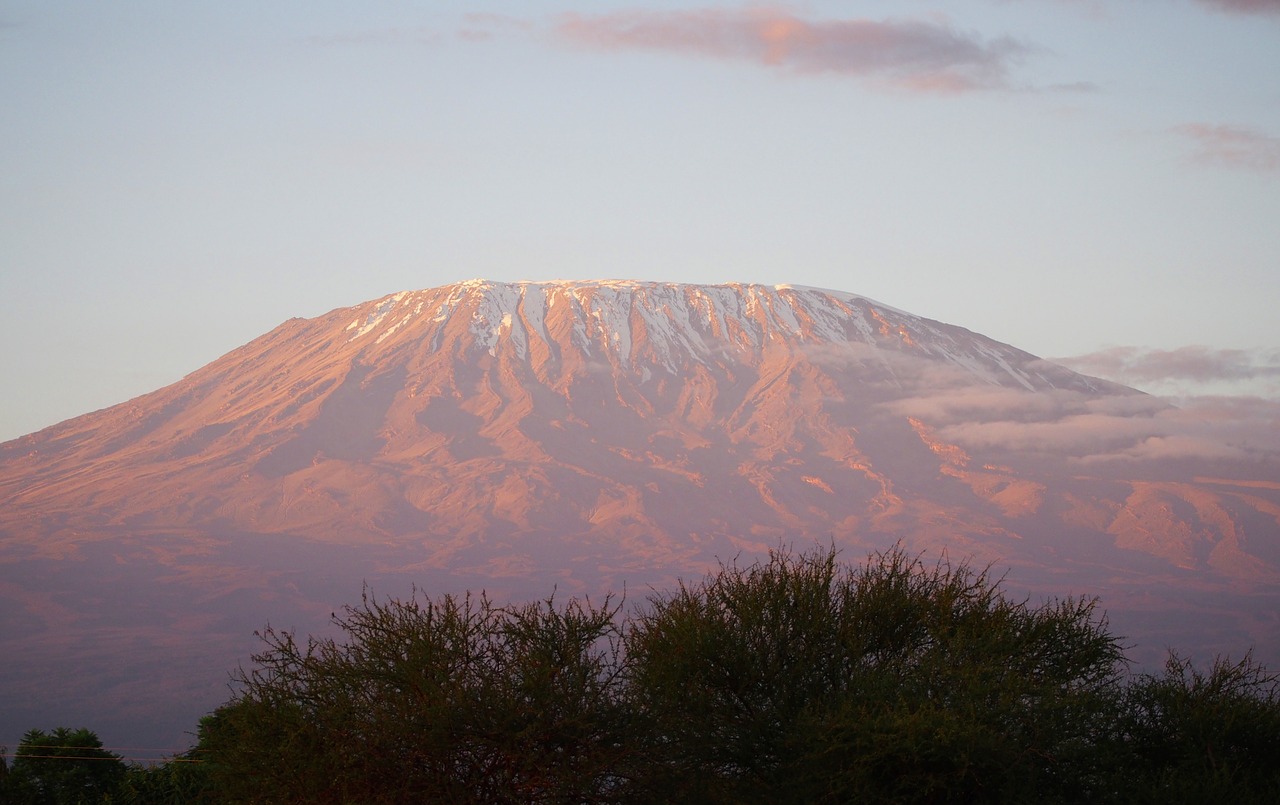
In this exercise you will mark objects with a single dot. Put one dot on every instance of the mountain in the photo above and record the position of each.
(588, 437)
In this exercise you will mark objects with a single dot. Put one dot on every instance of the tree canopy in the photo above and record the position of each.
(798, 679)
(61, 767)
(451, 700)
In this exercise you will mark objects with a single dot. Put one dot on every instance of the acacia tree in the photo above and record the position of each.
(449, 700)
(1188, 735)
(798, 679)
(802, 680)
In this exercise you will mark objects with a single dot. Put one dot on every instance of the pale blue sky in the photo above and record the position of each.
(177, 178)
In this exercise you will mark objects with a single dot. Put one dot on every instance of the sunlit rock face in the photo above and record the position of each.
(591, 436)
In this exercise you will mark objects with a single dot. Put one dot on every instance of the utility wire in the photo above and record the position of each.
(117, 759)
(109, 748)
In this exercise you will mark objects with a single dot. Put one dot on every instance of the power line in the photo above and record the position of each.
(116, 759)
(156, 749)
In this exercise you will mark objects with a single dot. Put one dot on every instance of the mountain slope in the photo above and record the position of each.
(494, 377)
(596, 435)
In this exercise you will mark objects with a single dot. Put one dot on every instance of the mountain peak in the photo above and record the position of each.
(667, 327)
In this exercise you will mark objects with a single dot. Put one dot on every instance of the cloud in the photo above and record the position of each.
(1192, 426)
(1210, 427)
(1220, 409)
(1098, 8)
(1232, 147)
(1244, 6)
(1195, 363)
(1061, 423)
(1110, 430)
(1055, 424)
(1117, 429)
(918, 55)
(1168, 447)
(1096, 430)
(1079, 435)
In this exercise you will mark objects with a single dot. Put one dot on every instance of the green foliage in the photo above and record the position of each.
(801, 680)
(62, 767)
(1192, 736)
(451, 700)
(182, 780)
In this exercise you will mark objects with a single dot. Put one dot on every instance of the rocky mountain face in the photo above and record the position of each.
(591, 437)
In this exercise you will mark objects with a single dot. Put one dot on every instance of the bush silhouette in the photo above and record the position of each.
(453, 700)
(796, 679)
(801, 680)
(63, 766)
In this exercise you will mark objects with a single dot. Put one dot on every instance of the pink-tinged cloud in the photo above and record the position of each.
(1068, 428)
(917, 55)
(1233, 147)
(1244, 6)
(1195, 363)
(1166, 448)
(1209, 428)
(1123, 428)
(1072, 436)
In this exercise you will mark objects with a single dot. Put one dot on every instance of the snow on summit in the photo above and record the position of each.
(650, 326)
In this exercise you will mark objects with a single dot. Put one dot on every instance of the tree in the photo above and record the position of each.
(1192, 736)
(803, 680)
(62, 767)
(446, 700)
(181, 780)
(797, 679)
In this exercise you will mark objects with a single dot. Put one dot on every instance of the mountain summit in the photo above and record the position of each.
(596, 436)
(487, 407)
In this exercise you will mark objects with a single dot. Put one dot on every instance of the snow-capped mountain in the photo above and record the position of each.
(591, 436)
(649, 327)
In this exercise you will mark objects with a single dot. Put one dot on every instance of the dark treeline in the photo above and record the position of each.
(798, 679)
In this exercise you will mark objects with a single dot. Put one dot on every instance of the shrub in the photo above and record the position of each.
(803, 680)
(451, 700)
(1192, 736)
(797, 679)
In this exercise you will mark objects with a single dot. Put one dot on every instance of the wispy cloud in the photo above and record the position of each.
(1079, 436)
(1194, 363)
(1098, 7)
(1102, 430)
(1095, 430)
(918, 55)
(1244, 6)
(1212, 428)
(1233, 147)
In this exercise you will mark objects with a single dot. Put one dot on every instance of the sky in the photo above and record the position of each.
(1093, 182)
